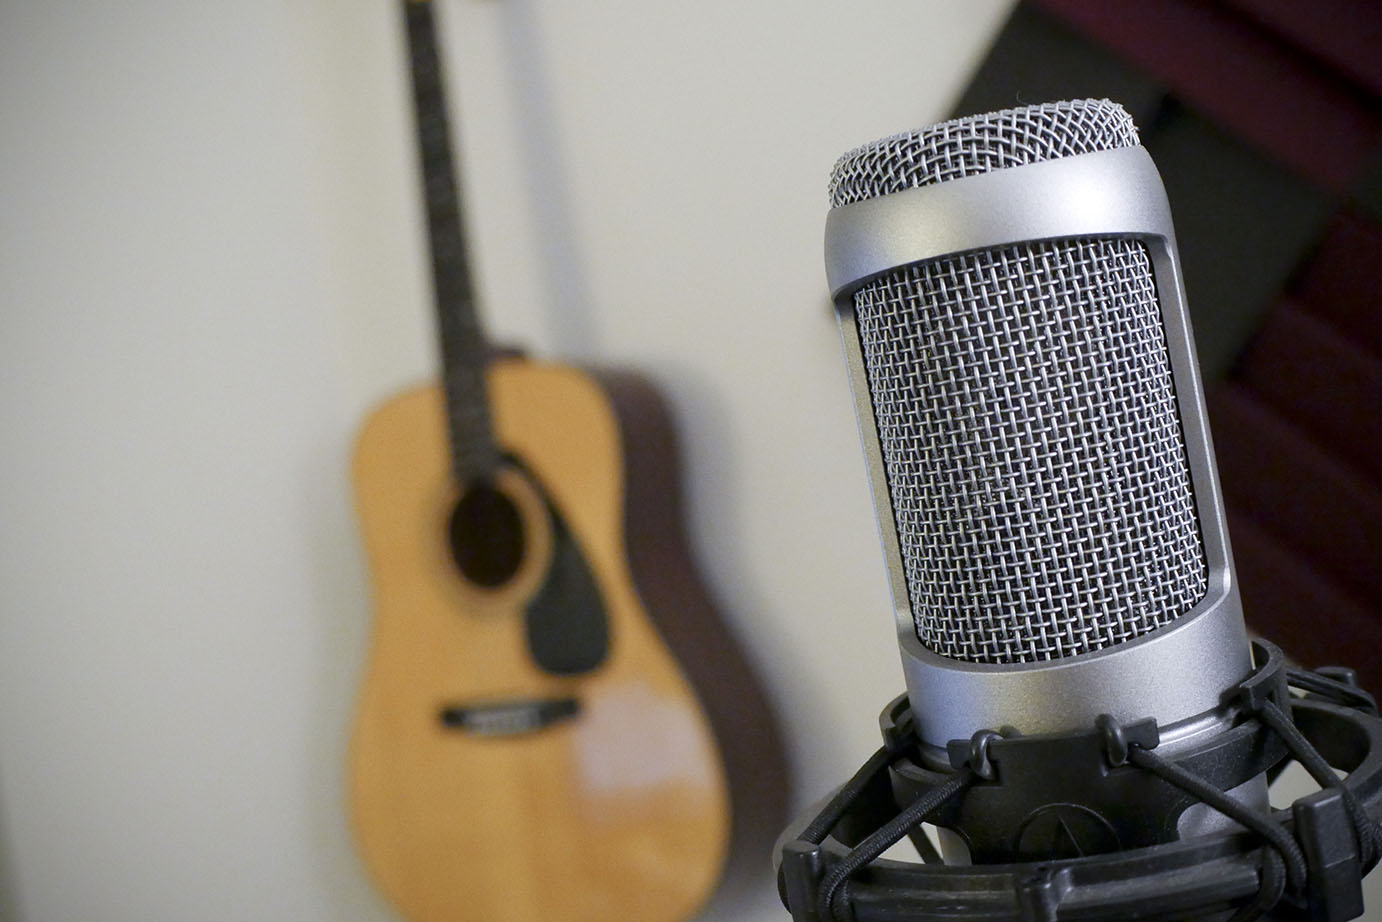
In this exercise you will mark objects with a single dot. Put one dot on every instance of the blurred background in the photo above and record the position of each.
(212, 267)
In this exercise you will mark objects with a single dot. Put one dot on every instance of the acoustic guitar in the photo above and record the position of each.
(527, 747)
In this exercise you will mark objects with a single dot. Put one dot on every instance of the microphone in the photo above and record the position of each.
(1016, 334)
(1016, 330)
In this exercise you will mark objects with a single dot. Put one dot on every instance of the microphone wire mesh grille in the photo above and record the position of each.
(980, 143)
(1027, 417)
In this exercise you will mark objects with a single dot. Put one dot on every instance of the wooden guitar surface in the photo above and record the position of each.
(620, 812)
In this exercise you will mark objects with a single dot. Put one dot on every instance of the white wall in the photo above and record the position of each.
(211, 266)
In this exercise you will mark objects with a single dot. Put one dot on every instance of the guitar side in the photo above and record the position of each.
(617, 812)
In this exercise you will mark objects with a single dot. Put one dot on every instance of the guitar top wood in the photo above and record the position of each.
(615, 810)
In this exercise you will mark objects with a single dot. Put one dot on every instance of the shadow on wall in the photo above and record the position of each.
(570, 315)
(9, 896)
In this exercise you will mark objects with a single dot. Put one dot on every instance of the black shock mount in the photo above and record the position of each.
(1086, 825)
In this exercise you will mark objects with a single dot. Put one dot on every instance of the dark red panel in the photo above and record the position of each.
(1343, 282)
(1242, 77)
(1344, 33)
(1299, 609)
(1321, 382)
(1306, 498)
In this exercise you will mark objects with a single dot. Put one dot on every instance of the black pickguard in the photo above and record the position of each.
(566, 619)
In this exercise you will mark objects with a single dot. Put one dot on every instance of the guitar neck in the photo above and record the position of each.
(465, 352)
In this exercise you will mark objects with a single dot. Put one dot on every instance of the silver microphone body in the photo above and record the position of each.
(1015, 328)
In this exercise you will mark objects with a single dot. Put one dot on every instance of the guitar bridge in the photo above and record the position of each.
(509, 718)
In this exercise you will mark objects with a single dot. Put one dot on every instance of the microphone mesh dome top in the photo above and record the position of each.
(969, 146)
(1026, 413)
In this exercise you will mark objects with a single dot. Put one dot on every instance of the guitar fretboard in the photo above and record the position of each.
(463, 346)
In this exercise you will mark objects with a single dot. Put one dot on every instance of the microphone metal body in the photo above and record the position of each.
(1032, 416)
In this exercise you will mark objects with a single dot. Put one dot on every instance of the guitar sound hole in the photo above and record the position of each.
(487, 536)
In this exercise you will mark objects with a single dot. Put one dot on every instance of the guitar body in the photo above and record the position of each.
(617, 807)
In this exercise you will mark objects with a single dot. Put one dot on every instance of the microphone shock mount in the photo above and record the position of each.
(1088, 825)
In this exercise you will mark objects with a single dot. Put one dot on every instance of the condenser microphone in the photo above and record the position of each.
(1015, 328)
(1015, 325)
